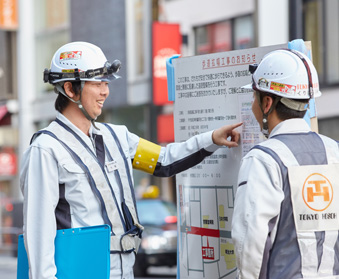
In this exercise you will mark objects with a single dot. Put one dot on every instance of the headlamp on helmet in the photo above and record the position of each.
(107, 72)
(252, 68)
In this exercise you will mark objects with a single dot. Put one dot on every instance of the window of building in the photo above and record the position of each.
(138, 54)
(243, 33)
(138, 20)
(332, 41)
(139, 37)
(52, 31)
(237, 33)
(321, 27)
(8, 74)
(312, 32)
(214, 37)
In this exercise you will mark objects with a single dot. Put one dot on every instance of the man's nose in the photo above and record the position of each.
(104, 89)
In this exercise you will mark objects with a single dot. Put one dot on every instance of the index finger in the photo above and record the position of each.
(233, 126)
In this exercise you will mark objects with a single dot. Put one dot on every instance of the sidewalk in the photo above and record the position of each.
(8, 266)
(7, 261)
(8, 269)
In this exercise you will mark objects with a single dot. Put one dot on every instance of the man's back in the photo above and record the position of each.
(283, 250)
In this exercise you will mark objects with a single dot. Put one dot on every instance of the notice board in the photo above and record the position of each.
(207, 93)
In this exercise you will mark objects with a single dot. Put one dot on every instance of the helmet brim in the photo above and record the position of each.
(247, 86)
(107, 78)
(317, 94)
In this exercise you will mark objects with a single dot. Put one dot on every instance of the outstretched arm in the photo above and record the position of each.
(179, 156)
(220, 136)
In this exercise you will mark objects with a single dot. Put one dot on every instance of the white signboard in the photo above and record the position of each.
(207, 96)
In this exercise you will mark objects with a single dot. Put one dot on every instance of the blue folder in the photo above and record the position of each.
(79, 253)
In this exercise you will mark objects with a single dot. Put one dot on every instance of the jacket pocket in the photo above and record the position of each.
(73, 168)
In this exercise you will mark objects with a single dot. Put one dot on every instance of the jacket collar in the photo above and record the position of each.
(290, 126)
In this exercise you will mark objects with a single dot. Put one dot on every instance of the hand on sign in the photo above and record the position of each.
(221, 135)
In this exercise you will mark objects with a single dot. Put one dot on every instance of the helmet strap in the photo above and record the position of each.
(59, 89)
(265, 115)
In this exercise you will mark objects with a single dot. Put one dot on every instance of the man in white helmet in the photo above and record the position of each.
(285, 223)
(78, 173)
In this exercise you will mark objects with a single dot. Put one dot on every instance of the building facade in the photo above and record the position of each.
(223, 25)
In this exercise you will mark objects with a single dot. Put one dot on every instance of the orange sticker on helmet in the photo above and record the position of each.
(281, 87)
(70, 55)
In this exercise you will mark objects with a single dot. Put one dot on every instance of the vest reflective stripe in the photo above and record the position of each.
(285, 224)
(77, 159)
(327, 262)
(101, 186)
(129, 195)
(97, 172)
(314, 259)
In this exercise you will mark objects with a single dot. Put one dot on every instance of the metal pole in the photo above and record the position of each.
(26, 74)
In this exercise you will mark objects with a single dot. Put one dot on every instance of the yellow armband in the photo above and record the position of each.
(146, 156)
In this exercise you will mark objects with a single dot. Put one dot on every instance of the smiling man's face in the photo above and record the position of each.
(93, 97)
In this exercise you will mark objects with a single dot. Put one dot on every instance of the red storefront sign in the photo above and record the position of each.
(166, 43)
(8, 164)
(165, 128)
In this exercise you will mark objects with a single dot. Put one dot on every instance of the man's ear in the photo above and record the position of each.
(69, 89)
(267, 102)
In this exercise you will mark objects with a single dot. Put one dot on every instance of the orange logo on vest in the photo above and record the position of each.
(317, 192)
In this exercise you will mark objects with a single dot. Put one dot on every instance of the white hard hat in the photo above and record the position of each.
(80, 61)
(287, 73)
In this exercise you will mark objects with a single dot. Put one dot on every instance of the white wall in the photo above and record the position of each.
(191, 13)
(273, 22)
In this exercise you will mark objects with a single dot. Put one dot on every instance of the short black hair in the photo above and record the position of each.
(284, 112)
(61, 101)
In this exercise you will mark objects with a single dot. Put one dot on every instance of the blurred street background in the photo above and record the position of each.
(8, 270)
(142, 34)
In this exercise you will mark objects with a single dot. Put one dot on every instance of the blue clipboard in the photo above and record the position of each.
(79, 253)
